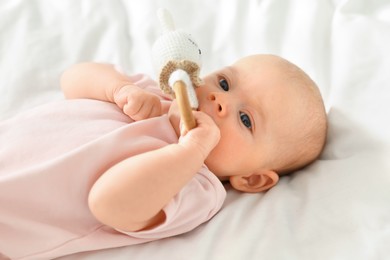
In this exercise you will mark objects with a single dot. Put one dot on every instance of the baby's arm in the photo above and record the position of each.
(103, 82)
(130, 196)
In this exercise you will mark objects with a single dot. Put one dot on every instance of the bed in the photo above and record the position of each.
(336, 208)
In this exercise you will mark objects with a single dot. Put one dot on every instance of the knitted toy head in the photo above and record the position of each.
(174, 50)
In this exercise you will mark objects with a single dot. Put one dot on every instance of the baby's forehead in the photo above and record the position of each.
(259, 73)
(260, 68)
(228, 69)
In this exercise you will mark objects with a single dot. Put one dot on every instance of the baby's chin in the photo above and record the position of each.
(223, 178)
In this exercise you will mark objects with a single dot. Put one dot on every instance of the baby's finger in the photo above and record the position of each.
(148, 111)
(203, 118)
(132, 110)
(183, 129)
(156, 109)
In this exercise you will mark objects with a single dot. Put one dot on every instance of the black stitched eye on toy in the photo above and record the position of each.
(224, 84)
(200, 52)
(191, 41)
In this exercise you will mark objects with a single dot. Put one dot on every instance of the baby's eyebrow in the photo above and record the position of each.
(231, 73)
(231, 70)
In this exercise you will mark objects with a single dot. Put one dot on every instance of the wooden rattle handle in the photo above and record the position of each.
(184, 105)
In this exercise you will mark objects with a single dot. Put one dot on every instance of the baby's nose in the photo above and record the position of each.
(219, 103)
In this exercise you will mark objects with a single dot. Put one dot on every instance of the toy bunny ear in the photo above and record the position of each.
(166, 20)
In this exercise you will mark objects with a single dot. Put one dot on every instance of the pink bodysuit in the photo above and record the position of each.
(50, 157)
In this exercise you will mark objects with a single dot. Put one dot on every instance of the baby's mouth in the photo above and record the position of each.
(198, 108)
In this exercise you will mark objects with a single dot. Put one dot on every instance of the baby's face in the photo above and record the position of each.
(251, 105)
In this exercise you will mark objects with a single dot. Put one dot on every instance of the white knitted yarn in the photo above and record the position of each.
(173, 50)
(183, 76)
(173, 44)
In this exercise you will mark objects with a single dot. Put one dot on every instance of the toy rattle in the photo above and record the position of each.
(177, 59)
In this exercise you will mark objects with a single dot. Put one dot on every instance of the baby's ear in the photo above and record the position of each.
(255, 182)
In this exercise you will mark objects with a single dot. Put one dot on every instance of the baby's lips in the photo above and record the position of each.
(209, 114)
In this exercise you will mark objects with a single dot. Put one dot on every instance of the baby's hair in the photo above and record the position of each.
(309, 140)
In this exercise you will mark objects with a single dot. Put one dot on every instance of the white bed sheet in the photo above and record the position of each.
(337, 208)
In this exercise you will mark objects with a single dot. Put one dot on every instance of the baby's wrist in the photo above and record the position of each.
(195, 149)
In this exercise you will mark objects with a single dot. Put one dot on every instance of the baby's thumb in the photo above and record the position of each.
(183, 129)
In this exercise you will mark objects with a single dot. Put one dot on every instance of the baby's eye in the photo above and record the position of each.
(224, 84)
(246, 120)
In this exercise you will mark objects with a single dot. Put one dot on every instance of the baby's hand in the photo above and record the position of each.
(204, 137)
(137, 103)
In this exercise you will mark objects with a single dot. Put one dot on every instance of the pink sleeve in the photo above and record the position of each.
(197, 202)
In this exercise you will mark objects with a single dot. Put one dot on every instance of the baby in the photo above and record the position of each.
(138, 172)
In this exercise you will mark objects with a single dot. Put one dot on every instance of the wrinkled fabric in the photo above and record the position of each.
(50, 157)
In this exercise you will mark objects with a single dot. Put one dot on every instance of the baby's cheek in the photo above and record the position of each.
(223, 153)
